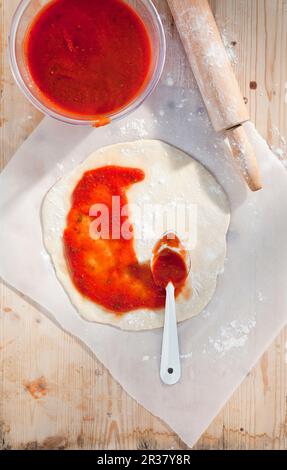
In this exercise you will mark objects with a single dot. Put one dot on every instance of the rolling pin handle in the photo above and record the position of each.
(244, 156)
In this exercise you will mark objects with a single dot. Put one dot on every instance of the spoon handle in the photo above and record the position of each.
(170, 370)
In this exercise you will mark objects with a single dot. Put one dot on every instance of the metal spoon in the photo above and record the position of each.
(170, 368)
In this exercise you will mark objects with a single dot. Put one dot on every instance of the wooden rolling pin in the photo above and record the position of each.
(216, 80)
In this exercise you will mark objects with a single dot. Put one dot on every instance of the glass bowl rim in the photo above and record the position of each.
(123, 112)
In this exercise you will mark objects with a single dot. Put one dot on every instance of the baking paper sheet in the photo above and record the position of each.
(249, 308)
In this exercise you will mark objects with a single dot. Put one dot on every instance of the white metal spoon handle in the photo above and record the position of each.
(170, 370)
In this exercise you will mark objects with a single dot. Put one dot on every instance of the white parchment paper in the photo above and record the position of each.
(249, 308)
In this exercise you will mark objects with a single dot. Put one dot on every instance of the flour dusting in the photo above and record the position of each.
(233, 335)
(135, 127)
(279, 147)
(186, 356)
(229, 46)
(169, 81)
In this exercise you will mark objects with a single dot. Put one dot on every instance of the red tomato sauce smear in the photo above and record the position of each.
(106, 270)
(88, 57)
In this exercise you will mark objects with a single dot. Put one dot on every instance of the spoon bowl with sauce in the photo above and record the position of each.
(170, 267)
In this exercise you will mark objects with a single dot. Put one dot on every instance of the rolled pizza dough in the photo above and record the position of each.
(172, 179)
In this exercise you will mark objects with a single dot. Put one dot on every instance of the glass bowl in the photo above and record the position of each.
(22, 19)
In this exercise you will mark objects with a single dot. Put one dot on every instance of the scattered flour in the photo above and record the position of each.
(279, 147)
(148, 358)
(186, 356)
(60, 167)
(135, 127)
(206, 314)
(260, 296)
(234, 335)
(182, 356)
(169, 81)
(229, 46)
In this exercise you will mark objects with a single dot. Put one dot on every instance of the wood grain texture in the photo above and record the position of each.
(53, 393)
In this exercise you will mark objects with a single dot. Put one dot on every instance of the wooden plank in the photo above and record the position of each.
(53, 392)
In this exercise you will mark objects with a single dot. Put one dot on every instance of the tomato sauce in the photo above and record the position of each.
(169, 262)
(88, 58)
(106, 270)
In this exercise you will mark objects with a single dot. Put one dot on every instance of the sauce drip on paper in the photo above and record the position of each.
(106, 270)
(88, 58)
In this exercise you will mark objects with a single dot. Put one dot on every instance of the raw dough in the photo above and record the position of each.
(171, 177)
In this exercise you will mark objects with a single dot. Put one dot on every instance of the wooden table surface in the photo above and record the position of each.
(53, 393)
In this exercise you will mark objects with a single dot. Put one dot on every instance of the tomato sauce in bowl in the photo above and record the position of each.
(88, 58)
(87, 62)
